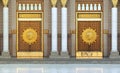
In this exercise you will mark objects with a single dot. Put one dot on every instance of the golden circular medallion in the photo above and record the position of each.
(89, 36)
(29, 36)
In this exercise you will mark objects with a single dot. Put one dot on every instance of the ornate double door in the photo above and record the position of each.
(30, 40)
(30, 28)
(89, 38)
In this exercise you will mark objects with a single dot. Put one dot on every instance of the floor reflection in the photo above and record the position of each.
(89, 70)
(59, 68)
(29, 70)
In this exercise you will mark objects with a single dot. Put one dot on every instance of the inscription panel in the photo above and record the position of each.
(87, 55)
(89, 15)
(29, 15)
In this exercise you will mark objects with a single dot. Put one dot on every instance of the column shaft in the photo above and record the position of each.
(54, 29)
(114, 29)
(5, 30)
(64, 29)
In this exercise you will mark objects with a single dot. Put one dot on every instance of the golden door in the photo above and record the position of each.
(30, 36)
(85, 44)
(28, 29)
(30, 40)
(88, 39)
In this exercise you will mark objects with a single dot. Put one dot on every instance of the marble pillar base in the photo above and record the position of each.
(114, 55)
(65, 55)
(5, 55)
(56, 56)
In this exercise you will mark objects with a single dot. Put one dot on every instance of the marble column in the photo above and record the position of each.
(54, 26)
(54, 29)
(64, 29)
(5, 30)
(114, 25)
(5, 27)
(114, 30)
(114, 51)
(64, 50)
(5, 53)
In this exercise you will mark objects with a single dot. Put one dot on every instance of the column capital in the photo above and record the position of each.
(64, 2)
(5, 2)
(53, 2)
(115, 2)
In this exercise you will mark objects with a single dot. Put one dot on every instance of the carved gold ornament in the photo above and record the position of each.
(115, 2)
(53, 2)
(29, 36)
(89, 36)
(5, 2)
(63, 2)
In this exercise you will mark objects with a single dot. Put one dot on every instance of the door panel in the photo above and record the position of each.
(30, 18)
(89, 35)
(82, 45)
(23, 45)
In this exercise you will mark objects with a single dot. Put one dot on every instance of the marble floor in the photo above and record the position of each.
(59, 68)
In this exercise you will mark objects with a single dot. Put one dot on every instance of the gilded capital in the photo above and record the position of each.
(53, 2)
(5, 2)
(115, 2)
(63, 2)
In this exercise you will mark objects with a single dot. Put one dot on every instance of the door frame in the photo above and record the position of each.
(88, 54)
(30, 54)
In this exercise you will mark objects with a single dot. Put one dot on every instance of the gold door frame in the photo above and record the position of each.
(30, 54)
(87, 54)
